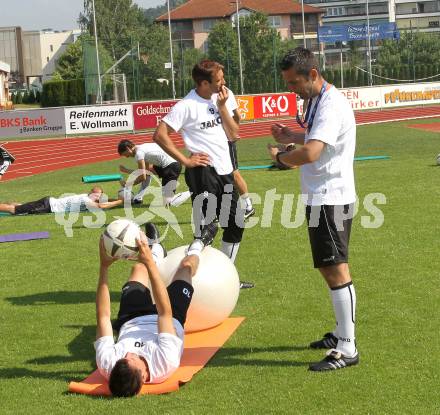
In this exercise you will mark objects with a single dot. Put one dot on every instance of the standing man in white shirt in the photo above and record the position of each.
(150, 340)
(151, 159)
(205, 117)
(326, 159)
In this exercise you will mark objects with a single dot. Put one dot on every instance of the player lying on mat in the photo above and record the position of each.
(74, 203)
(6, 159)
(150, 341)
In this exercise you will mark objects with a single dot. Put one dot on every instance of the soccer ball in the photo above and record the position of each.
(125, 194)
(438, 159)
(120, 239)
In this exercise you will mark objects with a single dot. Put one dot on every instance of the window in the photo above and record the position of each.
(51, 48)
(335, 11)
(208, 24)
(274, 21)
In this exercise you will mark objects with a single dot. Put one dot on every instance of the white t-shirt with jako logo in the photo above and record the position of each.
(161, 351)
(330, 179)
(200, 123)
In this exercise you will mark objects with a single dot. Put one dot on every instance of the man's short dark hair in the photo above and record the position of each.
(301, 59)
(124, 145)
(124, 381)
(204, 71)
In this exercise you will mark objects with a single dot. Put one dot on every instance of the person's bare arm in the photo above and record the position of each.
(103, 309)
(105, 205)
(285, 135)
(308, 153)
(160, 293)
(162, 138)
(230, 123)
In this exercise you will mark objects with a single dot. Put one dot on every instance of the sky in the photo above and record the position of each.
(49, 14)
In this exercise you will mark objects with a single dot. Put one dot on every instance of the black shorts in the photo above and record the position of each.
(136, 301)
(168, 173)
(329, 233)
(33, 208)
(205, 181)
(233, 154)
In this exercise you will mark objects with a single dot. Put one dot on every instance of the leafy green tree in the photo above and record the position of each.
(411, 49)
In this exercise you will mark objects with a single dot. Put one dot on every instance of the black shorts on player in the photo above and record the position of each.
(136, 301)
(205, 181)
(233, 154)
(329, 233)
(168, 173)
(33, 208)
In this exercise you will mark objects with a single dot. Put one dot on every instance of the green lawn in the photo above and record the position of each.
(47, 298)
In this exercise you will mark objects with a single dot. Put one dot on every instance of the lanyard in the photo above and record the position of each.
(307, 123)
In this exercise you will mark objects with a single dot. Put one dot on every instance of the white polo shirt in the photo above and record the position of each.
(153, 154)
(161, 351)
(330, 179)
(199, 122)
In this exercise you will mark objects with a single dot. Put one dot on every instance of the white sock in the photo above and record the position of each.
(180, 198)
(158, 252)
(143, 188)
(248, 202)
(195, 248)
(230, 249)
(344, 305)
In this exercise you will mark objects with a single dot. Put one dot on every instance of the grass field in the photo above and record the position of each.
(47, 310)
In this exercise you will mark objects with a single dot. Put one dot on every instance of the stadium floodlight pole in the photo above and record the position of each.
(240, 63)
(370, 74)
(304, 26)
(99, 97)
(171, 50)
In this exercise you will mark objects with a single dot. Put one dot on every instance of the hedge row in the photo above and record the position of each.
(63, 93)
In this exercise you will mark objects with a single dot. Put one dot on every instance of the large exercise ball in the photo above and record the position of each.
(216, 287)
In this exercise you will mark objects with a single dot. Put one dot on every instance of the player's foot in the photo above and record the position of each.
(245, 284)
(136, 201)
(248, 213)
(152, 233)
(6, 155)
(333, 361)
(328, 341)
(206, 237)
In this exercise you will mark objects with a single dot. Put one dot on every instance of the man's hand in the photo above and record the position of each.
(144, 255)
(280, 132)
(122, 182)
(222, 97)
(105, 259)
(197, 159)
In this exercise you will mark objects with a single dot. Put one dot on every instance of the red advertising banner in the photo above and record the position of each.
(275, 105)
(149, 114)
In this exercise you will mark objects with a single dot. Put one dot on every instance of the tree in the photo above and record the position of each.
(411, 49)
(70, 65)
(118, 22)
(153, 12)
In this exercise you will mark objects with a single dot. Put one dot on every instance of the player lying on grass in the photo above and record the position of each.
(150, 341)
(151, 159)
(6, 159)
(74, 203)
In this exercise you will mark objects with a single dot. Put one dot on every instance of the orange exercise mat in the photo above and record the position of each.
(199, 348)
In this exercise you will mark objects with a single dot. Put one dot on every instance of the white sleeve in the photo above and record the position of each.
(140, 155)
(171, 348)
(327, 123)
(231, 102)
(177, 116)
(105, 355)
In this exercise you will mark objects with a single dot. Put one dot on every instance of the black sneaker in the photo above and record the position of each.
(244, 285)
(248, 213)
(6, 155)
(207, 236)
(136, 202)
(152, 233)
(333, 361)
(329, 341)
